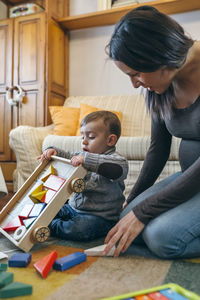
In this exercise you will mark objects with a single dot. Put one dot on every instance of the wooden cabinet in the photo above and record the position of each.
(113, 15)
(33, 56)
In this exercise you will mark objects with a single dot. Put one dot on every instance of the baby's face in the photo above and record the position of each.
(95, 137)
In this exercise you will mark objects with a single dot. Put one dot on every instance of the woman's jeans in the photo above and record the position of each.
(173, 234)
(72, 225)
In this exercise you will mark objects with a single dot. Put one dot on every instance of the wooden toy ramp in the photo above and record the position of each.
(25, 218)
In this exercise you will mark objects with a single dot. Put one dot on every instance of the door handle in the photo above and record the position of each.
(15, 98)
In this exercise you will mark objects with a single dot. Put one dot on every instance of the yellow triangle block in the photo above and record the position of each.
(50, 171)
(37, 194)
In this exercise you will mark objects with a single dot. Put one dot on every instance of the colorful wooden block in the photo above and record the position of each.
(44, 265)
(54, 182)
(37, 195)
(3, 267)
(98, 251)
(5, 278)
(172, 295)
(16, 289)
(28, 222)
(157, 296)
(13, 225)
(26, 211)
(19, 232)
(69, 261)
(142, 297)
(19, 260)
(50, 171)
(37, 209)
(48, 196)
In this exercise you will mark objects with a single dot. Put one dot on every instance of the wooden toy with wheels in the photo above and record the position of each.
(25, 218)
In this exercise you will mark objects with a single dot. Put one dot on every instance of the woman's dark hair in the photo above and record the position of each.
(109, 118)
(146, 40)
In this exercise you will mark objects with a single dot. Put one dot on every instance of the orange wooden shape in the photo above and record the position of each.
(142, 297)
(13, 225)
(44, 265)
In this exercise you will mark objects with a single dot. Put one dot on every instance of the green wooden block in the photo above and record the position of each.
(3, 267)
(16, 289)
(5, 278)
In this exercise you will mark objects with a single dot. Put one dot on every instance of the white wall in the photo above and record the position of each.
(90, 72)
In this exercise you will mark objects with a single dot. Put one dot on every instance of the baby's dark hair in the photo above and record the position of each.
(109, 118)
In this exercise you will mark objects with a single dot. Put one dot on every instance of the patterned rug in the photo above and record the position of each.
(100, 277)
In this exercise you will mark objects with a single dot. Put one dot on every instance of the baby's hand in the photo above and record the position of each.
(77, 160)
(47, 154)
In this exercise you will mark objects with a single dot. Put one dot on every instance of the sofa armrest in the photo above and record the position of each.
(26, 142)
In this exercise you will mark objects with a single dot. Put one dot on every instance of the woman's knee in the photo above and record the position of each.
(162, 241)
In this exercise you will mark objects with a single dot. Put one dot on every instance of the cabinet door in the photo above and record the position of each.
(29, 68)
(6, 29)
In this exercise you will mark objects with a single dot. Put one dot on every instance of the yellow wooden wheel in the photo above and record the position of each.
(41, 234)
(78, 185)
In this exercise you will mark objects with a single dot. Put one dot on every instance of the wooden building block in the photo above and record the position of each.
(16, 289)
(50, 171)
(26, 211)
(142, 297)
(69, 261)
(37, 209)
(28, 222)
(54, 182)
(157, 296)
(5, 278)
(19, 260)
(13, 225)
(172, 295)
(48, 196)
(98, 251)
(44, 265)
(3, 267)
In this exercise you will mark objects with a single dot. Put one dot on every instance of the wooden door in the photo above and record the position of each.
(6, 52)
(29, 68)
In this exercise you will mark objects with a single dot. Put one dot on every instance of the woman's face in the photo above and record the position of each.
(157, 81)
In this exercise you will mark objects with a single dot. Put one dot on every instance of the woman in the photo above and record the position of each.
(153, 50)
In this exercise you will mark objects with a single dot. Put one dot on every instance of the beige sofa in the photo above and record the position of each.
(27, 142)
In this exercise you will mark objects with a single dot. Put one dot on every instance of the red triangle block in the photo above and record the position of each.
(13, 225)
(44, 265)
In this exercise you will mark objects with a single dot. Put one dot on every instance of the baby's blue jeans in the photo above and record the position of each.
(173, 234)
(72, 225)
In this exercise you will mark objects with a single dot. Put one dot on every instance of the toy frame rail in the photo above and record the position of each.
(21, 198)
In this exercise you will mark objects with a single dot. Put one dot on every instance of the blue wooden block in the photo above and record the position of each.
(69, 261)
(19, 260)
(5, 278)
(3, 267)
(172, 295)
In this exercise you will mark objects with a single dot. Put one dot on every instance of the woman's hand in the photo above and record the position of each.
(125, 204)
(77, 160)
(47, 154)
(125, 231)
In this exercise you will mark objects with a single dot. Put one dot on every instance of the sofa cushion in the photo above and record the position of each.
(135, 121)
(65, 119)
(86, 109)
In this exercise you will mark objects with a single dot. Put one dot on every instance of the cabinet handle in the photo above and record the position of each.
(17, 98)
